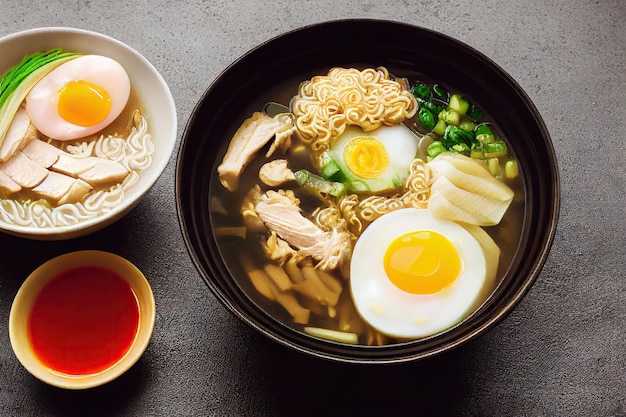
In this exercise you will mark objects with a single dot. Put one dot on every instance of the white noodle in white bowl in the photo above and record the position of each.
(134, 152)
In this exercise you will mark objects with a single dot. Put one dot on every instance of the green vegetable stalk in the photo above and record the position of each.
(316, 184)
(18, 81)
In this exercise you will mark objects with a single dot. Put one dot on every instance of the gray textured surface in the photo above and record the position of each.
(562, 352)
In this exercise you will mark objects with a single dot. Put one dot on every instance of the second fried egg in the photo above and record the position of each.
(413, 275)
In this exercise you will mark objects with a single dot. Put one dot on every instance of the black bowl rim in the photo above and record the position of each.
(503, 311)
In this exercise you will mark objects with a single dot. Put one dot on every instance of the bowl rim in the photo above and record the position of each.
(32, 286)
(503, 311)
(91, 225)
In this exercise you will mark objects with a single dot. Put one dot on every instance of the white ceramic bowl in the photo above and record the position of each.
(148, 84)
(31, 288)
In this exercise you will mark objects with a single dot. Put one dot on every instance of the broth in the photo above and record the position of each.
(235, 250)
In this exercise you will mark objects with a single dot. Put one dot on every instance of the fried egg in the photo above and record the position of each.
(78, 98)
(413, 275)
(375, 161)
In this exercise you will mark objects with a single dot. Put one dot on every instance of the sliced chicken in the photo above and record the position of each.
(69, 165)
(103, 172)
(7, 185)
(276, 172)
(59, 187)
(78, 190)
(252, 135)
(93, 170)
(42, 152)
(282, 215)
(24, 171)
(97, 172)
(19, 133)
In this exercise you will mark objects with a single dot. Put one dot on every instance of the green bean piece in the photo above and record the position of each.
(460, 148)
(450, 116)
(495, 149)
(358, 186)
(316, 184)
(396, 180)
(476, 151)
(440, 127)
(484, 134)
(435, 149)
(332, 171)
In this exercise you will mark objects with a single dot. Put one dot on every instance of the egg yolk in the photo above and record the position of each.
(366, 157)
(83, 103)
(422, 262)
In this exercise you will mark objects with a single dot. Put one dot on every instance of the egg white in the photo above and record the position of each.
(401, 314)
(42, 100)
(400, 143)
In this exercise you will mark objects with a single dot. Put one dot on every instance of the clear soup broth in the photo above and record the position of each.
(327, 304)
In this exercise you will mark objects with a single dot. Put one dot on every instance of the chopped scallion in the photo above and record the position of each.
(511, 169)
(18, 81)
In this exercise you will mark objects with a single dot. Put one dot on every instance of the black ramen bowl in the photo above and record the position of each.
(407, 51)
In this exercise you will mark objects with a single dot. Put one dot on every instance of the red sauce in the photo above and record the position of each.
(83, 321)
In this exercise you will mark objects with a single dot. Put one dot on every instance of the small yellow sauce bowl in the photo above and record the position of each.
(32, 287)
